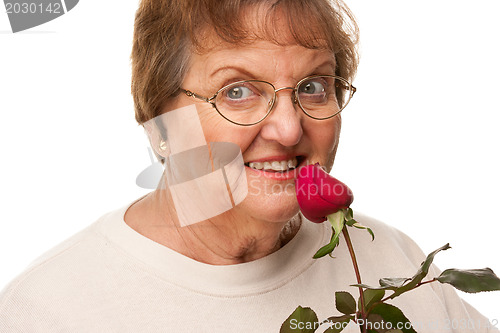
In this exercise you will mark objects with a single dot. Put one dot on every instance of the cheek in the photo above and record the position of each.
(218, 129)
(334, 144)
(212, 123)
(325, 136)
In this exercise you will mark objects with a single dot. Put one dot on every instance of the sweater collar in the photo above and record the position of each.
(255, 277)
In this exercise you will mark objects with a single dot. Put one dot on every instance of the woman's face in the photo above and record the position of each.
(286, 136)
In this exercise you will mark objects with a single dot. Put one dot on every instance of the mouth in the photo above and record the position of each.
(277, 167)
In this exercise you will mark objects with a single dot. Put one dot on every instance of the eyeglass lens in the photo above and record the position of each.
(248, 102)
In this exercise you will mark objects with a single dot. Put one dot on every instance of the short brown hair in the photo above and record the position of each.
(167, 31)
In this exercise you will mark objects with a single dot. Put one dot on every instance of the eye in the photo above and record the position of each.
(314, 86)
(244, 97)
(238, 92)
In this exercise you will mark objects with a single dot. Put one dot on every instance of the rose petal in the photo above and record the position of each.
(320, 194)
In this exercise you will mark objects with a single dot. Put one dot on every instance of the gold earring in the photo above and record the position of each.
(163, 145)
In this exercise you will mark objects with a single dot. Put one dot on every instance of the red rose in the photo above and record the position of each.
(320, 194)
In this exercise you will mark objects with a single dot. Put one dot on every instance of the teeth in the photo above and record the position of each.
(256, 165)
(274, 165)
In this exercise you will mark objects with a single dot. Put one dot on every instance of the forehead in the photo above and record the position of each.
(264, 21)
(263, 45)
(283, 65)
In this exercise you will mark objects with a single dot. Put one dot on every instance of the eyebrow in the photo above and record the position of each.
(231, 67)
(331, 63)
(237, 68)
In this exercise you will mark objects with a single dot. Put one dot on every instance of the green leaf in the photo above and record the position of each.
(421, 273)
(365, 286)
(327, 249)
(337, 222)
(385, 284)
(471, 280)
(360, 226)
(389, 314)
(338, 323)
(370, 231)
(402, 285)
(384, 287)
(349, 215)
(371, 297)
(393, 283)
(345, 303)
(350, 222)
(302, 320)
(424, 268)
(372, 324)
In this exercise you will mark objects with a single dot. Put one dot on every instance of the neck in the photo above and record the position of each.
(229, 238)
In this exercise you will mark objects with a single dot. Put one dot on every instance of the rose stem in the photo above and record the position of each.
(358, 276)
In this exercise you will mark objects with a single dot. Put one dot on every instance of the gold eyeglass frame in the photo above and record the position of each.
(348, 87)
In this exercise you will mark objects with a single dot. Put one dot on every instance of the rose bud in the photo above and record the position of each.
(320, 194)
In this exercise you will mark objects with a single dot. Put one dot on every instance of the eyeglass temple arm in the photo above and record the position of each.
(352, 88)
(189, 93)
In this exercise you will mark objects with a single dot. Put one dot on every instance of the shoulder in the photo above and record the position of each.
(53, 272)
(388, 239)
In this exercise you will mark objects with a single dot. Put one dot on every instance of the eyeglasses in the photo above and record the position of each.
(249, 102)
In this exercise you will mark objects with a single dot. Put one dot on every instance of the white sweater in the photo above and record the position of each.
(109, 278)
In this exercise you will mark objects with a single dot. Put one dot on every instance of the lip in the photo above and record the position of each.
(275, 158)
(280, 176)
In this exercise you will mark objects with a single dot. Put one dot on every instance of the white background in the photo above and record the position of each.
(419, 145)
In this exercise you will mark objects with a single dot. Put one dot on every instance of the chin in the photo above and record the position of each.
(277, 206)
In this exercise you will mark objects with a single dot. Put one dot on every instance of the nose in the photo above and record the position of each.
(284, 123)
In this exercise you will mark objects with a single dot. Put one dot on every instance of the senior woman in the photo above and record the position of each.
(269, 78)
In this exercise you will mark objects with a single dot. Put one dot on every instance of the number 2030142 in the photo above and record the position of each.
(32, 8)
